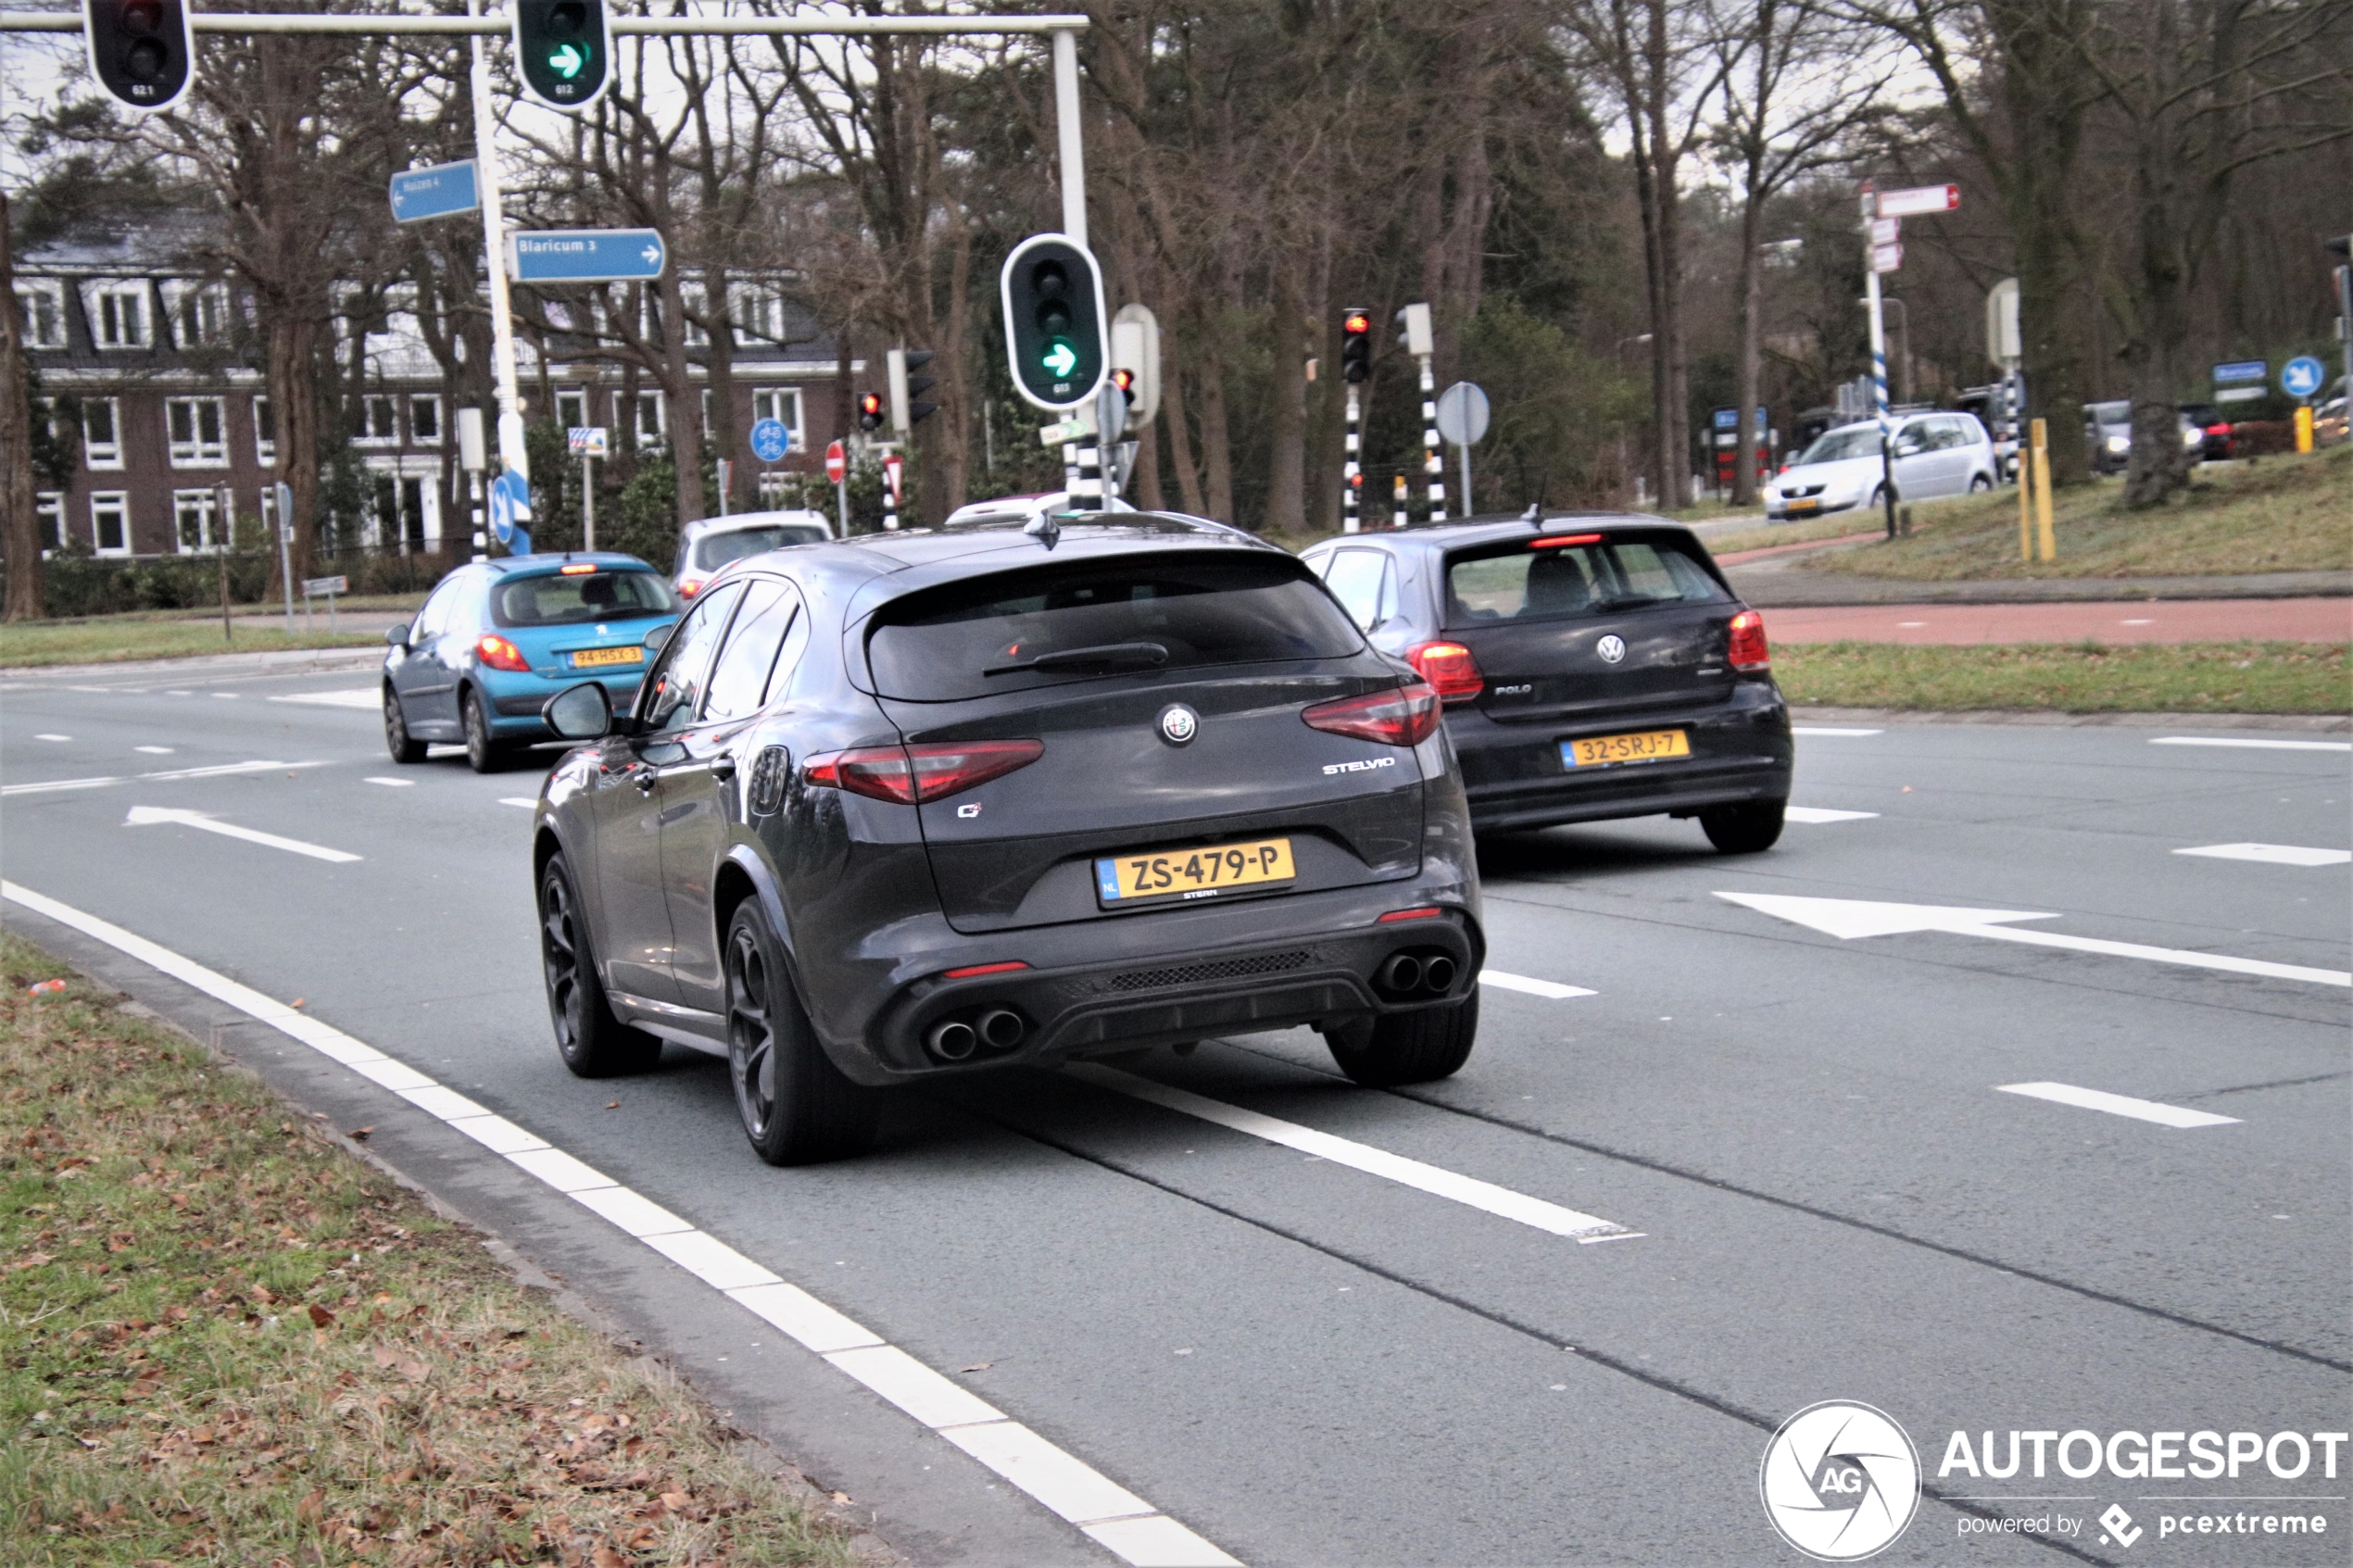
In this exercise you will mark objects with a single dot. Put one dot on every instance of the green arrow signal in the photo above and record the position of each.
(568, 61)
(1060, 358)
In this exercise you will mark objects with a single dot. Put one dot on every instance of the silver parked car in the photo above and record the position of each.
(1938, 454)
(709, 545)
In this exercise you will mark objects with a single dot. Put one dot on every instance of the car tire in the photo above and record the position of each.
(1407, 1048)
(1980, 484)
(405, 748)
(796, 1106)
(485, 754)
(1748, 828)
(589, 1036)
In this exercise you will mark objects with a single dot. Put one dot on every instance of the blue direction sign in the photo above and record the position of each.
(2301, 376)
(2241, 370)
(771, 439)
(586, 255)
(509, 509)
(438, 192)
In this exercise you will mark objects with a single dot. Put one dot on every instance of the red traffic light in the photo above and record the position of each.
(1124, 380)
(870, 410)
(1356, 321)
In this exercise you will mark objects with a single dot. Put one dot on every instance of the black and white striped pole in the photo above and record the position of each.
(1418, 341)
(1397, 497)
(1355, 365)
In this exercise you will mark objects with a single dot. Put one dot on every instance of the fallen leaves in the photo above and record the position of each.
(320, 1317)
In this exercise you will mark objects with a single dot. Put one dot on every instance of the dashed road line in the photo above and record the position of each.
(2273, 854)
(156, 750)
(1434, 1180)
(1829, 730)
(349, 697)
(2253, 745)
(1552, 990)
(391, 783)
(1824, 814)
(53, 738)
(1114, 1517)
(218, 770)
(2120, 1105)
(526, 801)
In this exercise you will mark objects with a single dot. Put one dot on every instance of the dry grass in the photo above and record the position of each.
(113, 639)
(225, 1341)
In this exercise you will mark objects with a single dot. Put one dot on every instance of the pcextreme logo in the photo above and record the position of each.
(1839, 1481)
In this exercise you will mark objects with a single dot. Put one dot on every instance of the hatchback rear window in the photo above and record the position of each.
(1603, 578)
(715, 550)
(559, 600)
(1089, 619)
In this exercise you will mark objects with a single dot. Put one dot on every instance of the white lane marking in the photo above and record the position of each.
(1823, 814)
(1909, 624)
(89, 689)
(2138, 620)
(391, 783)
(526, 802)
(177, 692)
(2273, 854)
(53, 738)
(1552, 989)
(1132, 1531)
(1469, 1191)
(351, 696)
(1825, 730)
(221, 769)
(147, 816)
(1849, 918)
(2120, 1105)
(2255, 745)
(156, 750)
(228, 696)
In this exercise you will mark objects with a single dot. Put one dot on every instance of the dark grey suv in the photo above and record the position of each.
(921, 804)
(1591, 667)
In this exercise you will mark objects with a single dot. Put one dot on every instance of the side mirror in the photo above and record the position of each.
(397, 635)
(581, 712)
(659, 638)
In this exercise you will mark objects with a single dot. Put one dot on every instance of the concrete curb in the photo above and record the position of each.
(2326, 724)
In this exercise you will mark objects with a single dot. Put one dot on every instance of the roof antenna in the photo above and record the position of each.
(1532, 514)
(1045, 528)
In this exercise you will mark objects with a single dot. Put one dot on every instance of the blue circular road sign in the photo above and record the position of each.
(509, 505)
(771, 439)
(2301, 376)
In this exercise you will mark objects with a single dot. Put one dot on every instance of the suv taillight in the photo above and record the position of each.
(1748, 652)
(916, 774)
(1401, 716)
(1449, 668)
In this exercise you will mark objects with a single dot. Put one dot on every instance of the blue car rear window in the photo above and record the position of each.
(556, 600)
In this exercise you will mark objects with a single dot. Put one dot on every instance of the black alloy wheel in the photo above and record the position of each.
(403, 746)
(589, 1036)
(486, 755)
(1747, 828)
(1408, 1047)
(796, 1106)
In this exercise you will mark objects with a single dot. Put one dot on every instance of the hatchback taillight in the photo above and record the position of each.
(1450, 668)
(500, 654)
(689, 586)
(1748, 651)
(1401, 716)
(915, 775)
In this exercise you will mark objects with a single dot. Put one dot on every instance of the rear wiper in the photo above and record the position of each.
(1625, 601)
(1102, 653)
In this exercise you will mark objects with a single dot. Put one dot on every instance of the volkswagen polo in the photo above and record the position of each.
(908, 805)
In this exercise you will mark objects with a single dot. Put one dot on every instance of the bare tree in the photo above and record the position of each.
(20, 521)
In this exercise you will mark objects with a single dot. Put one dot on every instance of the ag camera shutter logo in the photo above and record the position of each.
(1839, 1481)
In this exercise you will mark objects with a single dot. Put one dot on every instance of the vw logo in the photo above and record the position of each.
(1839, 1481)
(1179, 724)
(1612, 648)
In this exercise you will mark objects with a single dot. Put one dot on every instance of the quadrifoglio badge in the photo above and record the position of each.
(1840, 1480)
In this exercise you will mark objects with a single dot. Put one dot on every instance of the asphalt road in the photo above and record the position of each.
(1832, 1192)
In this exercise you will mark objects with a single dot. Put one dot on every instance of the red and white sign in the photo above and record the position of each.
(1886, 231)
(1918, 201)
(837, 463)
(892, 468)
(1887, 258)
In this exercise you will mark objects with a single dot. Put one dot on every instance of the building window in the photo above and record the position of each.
(424, 420)
(102, 431)
(199, 313)
(111, 522)
(118, 314)
(379, 424)
(268, 510)
(49, 509)
(197, 513)
(649, 419)
(198, 430)
(572, 408)
(45, 312)
(782, 404)
(265, 432)
(691, 332)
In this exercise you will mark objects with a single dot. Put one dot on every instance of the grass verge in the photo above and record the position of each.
(1806, 531)
(2284, 513)
(225, 1341)
(114, 639)
(2072, 677)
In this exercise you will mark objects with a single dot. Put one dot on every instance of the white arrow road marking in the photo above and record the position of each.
(351, 696)
(1373, 1161)
(1849, 918)
(147, 816)
(1828, 730)
(2255, 745)
(218, 770)
(1552, 989)
(1114, 1517)
(2273, 854)
(1824, 814)
(2120, 1105)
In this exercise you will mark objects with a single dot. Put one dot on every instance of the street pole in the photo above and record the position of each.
(1067, 135)
(1352, 474)
(1879, 362)
(588, 502)
(1397, 495)
(511, 453)
(1432, 463)
(1467, 508)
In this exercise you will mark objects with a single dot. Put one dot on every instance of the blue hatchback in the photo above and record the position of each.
(496, 639)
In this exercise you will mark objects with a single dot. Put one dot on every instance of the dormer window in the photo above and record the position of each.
(119, 313)
(43, 300)
(199, 313)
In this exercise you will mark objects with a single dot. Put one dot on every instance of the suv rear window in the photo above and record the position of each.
(1524, 582)
(1123, 617)
(559, 600)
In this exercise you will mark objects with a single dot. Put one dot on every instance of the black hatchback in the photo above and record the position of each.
(1591, 667)
(928, 803)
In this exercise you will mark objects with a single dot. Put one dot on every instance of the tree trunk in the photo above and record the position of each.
(1217, 439)
(679, 390)
(20, 521)
(1751, 297)
(293, 402)
(1180, 439)
(1287, 426)
(719, 368)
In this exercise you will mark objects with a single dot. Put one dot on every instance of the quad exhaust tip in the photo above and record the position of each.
(1410, 974)
(1438, 975)
(952, 1041)
(1001, 1028)
(1400, 972)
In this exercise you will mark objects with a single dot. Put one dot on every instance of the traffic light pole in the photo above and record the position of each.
(1433, 463)
(1351, 472)
(513, 452)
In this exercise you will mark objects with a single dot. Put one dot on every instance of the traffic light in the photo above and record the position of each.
(905, 414)
(1052, 295)
(1357, 344)
(140, 51)
(563, 51)
(870, 412)
(1414, 334)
